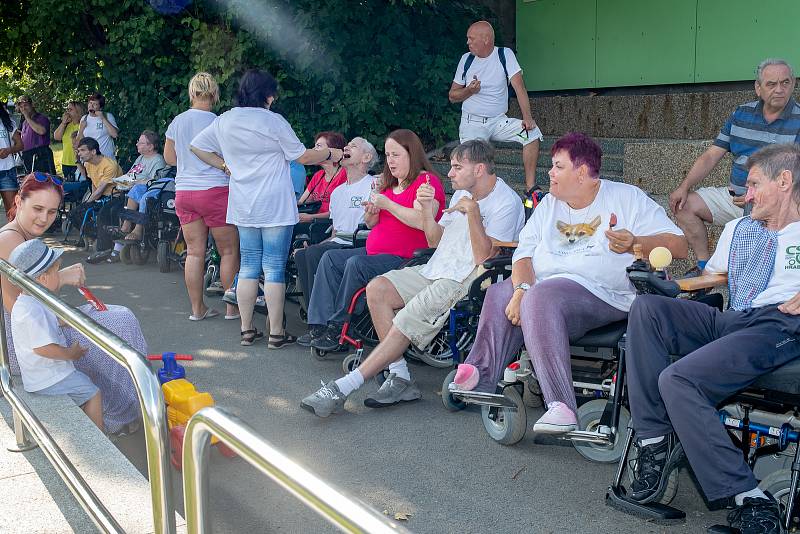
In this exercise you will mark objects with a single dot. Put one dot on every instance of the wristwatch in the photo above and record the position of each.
(523, 286)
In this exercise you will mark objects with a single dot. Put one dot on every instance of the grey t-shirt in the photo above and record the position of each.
(146, 168)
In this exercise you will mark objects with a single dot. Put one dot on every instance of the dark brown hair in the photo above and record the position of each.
(334, 139)
(417, 160)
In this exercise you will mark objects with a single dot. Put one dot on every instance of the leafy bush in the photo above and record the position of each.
(362, 67)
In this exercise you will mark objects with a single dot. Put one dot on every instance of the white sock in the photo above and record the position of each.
(400, 369)
(651, 441)
(118, 247)
(754, 493)
(350, 382)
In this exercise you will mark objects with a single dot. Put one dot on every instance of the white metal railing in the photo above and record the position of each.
(344, 512)
(150, 397)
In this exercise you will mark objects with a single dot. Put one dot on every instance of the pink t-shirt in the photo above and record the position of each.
(320, 190)
(390, 235)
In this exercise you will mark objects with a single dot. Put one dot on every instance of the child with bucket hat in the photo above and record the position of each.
(44, 358)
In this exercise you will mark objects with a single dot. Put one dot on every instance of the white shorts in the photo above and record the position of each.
(501, 129)
(76, 384)
(720, 204)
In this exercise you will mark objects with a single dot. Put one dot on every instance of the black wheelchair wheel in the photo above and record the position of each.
(506, 425)
(589, 415)
(319, 354)
(350, 362)
(162, 255)
(139, 254)
(125, 255)
(438, 353)
(450, 403)
(778, 484)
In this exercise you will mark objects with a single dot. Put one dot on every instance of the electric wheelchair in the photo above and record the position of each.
(762, 421)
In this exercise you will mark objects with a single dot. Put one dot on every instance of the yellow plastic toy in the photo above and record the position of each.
(183, 401)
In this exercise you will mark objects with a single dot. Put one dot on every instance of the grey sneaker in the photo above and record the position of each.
(325, 401)
(393, 391)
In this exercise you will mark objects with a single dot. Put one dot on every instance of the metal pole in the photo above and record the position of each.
(150, 396)
(342, 511)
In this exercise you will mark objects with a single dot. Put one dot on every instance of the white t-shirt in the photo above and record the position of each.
(96, 129)
(572, 244)
(34, 326)
(492, 99)
(346, 209)
(502, 216)
(192, 173)
(785, 280)
(257, 145)
(6, 142)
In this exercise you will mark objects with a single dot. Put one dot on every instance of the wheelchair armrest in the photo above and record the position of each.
(698, 283)
(424, 253)
(362, 227)
(498, 261)
(504, 244)
(309, 207)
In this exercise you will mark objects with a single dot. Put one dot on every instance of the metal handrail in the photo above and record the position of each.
(342, 511)
(148, 390)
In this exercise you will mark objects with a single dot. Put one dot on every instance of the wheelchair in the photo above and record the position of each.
(598, 363)
(359, 332)
(88, 223)
(761, 421)
(161, 229)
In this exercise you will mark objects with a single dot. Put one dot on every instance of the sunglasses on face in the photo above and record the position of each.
(44, 177)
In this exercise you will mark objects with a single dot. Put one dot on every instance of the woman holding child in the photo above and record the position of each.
(34, 210)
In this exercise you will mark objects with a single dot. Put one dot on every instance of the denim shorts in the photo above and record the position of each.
(77, 385)
(264, 249)
(8, 180)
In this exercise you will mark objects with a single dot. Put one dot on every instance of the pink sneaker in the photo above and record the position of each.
(466, 377)
(558, 419)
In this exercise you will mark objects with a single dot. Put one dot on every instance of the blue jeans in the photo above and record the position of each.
(8, 180)
(264, 249)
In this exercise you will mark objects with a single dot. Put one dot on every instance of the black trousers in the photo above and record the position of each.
(722, 353)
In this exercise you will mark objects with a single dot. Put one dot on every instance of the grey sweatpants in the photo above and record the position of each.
(722, 353)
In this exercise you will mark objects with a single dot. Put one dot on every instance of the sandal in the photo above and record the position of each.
(250, 336)
(276, 342)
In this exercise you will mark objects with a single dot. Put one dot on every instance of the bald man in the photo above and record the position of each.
(481, 85)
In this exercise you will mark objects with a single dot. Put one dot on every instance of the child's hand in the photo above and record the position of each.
(74, 275)
(76, 351)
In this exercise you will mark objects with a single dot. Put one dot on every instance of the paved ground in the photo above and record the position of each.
(439, 468)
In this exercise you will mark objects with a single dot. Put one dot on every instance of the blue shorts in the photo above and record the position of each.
(77, 385)
(8, 180)
(264, 250)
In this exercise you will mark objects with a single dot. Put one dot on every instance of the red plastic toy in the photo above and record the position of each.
(91, 299)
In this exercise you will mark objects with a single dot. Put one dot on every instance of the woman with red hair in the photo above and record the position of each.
(34, 210)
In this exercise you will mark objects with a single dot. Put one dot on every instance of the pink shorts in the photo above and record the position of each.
(210, 205)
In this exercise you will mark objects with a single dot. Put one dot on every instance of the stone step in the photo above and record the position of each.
(658, 167)
(507, 156)
(111, 476)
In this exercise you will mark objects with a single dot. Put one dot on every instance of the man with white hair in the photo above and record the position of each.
(721, 353)
(481, 86)
(773, 118)
(346, 212)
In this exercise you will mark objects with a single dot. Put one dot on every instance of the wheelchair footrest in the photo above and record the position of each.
(482, 399)
(655, 512)
(598, 438)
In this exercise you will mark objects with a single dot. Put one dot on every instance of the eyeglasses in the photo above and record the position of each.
(44, 177)
(520, 134)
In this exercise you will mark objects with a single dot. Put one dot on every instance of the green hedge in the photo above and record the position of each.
(362, 67)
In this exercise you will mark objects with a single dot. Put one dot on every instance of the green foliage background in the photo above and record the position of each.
(361, 67)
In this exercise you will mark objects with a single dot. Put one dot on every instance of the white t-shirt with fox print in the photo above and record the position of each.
(568, 243)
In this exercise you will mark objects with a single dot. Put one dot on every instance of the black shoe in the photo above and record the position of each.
(648, 468)
(315, 332)
(114, 258)
(329, 340)
(757, 515)
(99, 257)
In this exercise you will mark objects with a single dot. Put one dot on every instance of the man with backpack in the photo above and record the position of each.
(481, 85)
